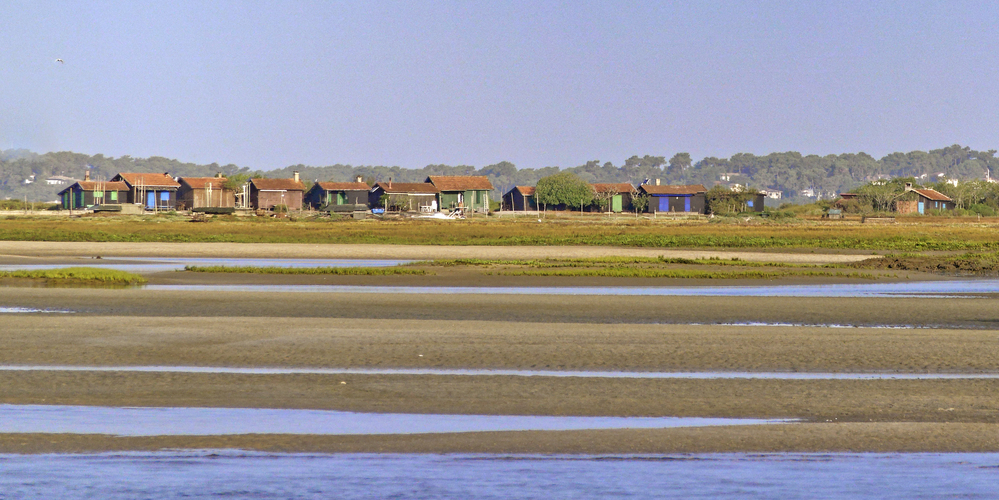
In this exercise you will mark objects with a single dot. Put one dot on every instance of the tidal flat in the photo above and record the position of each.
(137, 327)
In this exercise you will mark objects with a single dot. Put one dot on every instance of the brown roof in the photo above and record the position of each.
(613, 188)
(848, 196)
(460, 182)
(525, 190)
(933, 195)
(92, 186)
(688, 189)
(343, 186)
(148, 180)
(202, 182)
(408, 187)
(277, 185)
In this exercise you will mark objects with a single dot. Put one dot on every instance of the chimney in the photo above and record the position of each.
(390, 183)
(296, 176)
(657, 182)
(86, 175)
(360, 179)
(908, 186)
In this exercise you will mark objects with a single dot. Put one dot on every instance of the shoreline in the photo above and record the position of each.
(32, 249)
(777, 438)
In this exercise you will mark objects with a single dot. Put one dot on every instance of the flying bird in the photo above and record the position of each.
(60, 61)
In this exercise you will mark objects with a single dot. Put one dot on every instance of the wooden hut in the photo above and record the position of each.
(326, 194)
(470, 192)
(405, 196)
(684, 199)
(520, 198)
(85, 194)
(197, 192)
(618, 196)
(265, 194)
(153, 191)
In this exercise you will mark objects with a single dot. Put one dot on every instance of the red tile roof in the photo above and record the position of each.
(277, 185)
(613, 188)
(202, 182)
(408, 187)
(460, 182)
(688, 189)
(933, 195)
(525, 190)
(147, 180)
(92, 186)
(343, 186)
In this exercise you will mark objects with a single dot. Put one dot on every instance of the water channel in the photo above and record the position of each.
(266, 476)
(225, 421)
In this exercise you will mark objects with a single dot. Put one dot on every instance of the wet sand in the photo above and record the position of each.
(144, 327)
(60, 339)
(838, 437)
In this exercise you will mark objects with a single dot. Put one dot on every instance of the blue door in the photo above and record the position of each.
(151, 200)
(664, 203)
(686, 204)
(922, 206)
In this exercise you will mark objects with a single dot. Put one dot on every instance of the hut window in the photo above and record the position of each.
(114, 195)
(98, 195)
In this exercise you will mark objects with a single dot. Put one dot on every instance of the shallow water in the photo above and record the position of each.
(218, 421)
(509, 373)
(161, 264)
(233, 474)
(30, 310)
(926, 289)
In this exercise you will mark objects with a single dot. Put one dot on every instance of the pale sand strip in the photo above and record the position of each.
(369, 251)
(847, 437)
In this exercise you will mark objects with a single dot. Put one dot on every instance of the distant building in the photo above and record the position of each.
(520, 198)
(86, 194)
(154, 191)
(56, 180)
(470, 192)
(266, 194)
(926, 199)
(686, 198)
(773, 194)
(198, 192)
(405, 196)
(618, 195)
(325, 194)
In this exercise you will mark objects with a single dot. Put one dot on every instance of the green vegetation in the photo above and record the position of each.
(631, 272)
(563, 188)
(78, 274)
(969, 236)
(590, 262)
(334, 271)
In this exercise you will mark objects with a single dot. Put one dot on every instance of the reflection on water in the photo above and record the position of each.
(217, 421)
(929, 289)
(234, 474)
(160, 264)
(28, 310)
(509, 373)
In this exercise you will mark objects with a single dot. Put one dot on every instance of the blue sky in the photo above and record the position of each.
(271, 84)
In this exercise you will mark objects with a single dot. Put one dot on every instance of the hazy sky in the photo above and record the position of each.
(537, 83)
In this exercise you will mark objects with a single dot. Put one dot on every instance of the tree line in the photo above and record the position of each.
(790, 172)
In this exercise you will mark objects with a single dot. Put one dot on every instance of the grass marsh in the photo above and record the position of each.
(89, 274)
(333, 271)
(907, 237)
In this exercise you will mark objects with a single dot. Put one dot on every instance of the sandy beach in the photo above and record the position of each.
(129, 327)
